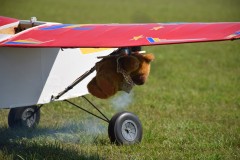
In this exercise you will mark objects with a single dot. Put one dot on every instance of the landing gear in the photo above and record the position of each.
(24, 117)
(125, 128)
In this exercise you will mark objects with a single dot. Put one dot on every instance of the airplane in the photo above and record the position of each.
(40, 62)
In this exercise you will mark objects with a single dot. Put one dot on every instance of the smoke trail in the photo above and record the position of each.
(83, 132)
(122, 101)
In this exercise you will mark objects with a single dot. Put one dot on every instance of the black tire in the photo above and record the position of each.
(22, 117)
(125, 128)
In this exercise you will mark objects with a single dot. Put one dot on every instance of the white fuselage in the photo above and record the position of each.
(31, 76)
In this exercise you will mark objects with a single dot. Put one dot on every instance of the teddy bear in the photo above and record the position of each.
(119, 73)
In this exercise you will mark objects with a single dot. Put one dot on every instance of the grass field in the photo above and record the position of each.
(189, 108)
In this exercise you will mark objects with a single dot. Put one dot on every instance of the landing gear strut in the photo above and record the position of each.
(123, 128)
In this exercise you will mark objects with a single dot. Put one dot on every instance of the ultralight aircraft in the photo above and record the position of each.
(42, 62)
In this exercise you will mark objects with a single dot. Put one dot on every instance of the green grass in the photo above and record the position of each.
(189, 108)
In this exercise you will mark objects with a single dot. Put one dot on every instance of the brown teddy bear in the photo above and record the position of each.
(119, 73)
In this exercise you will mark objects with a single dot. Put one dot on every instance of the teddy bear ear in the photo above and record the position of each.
(148, 57)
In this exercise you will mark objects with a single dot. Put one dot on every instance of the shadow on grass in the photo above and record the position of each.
(45, 143)
(39, 151)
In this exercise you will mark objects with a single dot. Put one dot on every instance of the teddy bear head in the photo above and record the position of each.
(140, 75)
(128, 63)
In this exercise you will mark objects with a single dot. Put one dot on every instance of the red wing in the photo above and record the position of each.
(122, 35)
(6, 20)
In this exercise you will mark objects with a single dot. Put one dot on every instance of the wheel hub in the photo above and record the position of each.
(129, 130)
(28, 118)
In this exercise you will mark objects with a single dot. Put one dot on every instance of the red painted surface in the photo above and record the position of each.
(123, 35)
(6, 20)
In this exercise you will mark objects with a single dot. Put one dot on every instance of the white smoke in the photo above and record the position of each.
(79, 132)
(122, 101)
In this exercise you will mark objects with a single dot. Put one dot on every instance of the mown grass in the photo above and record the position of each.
(189, 108)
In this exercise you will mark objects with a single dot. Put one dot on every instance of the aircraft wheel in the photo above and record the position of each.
(21, 117)
(125, 128)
